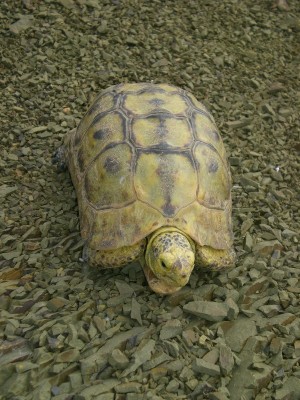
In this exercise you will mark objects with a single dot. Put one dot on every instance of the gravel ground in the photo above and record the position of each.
(71, 332)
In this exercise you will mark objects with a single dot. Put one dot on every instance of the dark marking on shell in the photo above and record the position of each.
(161, 130)
(94, 107)
(213, 166)
(77, 139)
(112, 165)
(80, 160)
(151, 89)
(216, 136)
(157, 102)
(168, 209)
(87, 186)
(101, 134)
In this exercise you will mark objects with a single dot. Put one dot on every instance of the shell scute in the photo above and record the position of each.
(161, 130)
(172, 175)
(111, 171)
(102, 131)
(207, 132)
(102, 104)
(155, 100)
(214, 190)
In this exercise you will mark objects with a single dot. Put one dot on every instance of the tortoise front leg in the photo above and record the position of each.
(115, 258)
(214, 259)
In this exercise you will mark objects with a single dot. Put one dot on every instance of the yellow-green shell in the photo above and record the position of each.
(145, 156)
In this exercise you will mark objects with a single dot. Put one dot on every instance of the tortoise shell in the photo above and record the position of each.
(145, 156)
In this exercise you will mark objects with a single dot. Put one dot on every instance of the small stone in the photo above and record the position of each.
(266, 248)
(297, 348)
(190, 337)
(172, 347)
(136, 311)
(68, 356)
(161, 63)
(238, 333)
(254, 274)
(246, 182)
(111, 331)
(92, 364)
(219, 61)
(208, 310)
(278, 275)
(275, 345)
(268, 109)
(284, 298)
(128, 387)
(25, 22)
(75, 379)
(5, 190)
(192, 383)
(292, 385)
(203, 367)
(234, 161)
(118, 360)
(239, 123)
(155, 361)
(175, 366)
(288, 233)
(25, 366)
(211, 356)
(276, 175)
(217, 396)
(172, 386)
(246, 225)
(66, 3)
(170, 329)
(141, 355)
(158, 372)
(276, 87)
(95, 391)
(124, 289)
(248, 242)
(285, 112)
(226, 360)
(231, 300)
(56, 303)
(270, 310)
(99, 323)
(186, 374)
(184, 294)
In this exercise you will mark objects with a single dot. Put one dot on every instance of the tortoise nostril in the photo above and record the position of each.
(183, 275)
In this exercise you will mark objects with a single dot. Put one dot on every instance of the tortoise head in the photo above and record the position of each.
(169, 260)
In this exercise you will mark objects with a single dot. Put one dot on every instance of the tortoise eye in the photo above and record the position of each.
(163, 264)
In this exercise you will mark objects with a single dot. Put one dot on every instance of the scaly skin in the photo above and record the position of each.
(214, 259)
(169, 260)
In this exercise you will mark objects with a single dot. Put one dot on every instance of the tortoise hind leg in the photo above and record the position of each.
(115, 258)
(214, 259)
(61, 154)
(59, 158)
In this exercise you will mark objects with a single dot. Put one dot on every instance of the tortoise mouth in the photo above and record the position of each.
(159, 285)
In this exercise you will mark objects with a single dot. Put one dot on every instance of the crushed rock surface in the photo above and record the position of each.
(70, 332)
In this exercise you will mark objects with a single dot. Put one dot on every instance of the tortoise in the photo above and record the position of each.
(152, 182)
